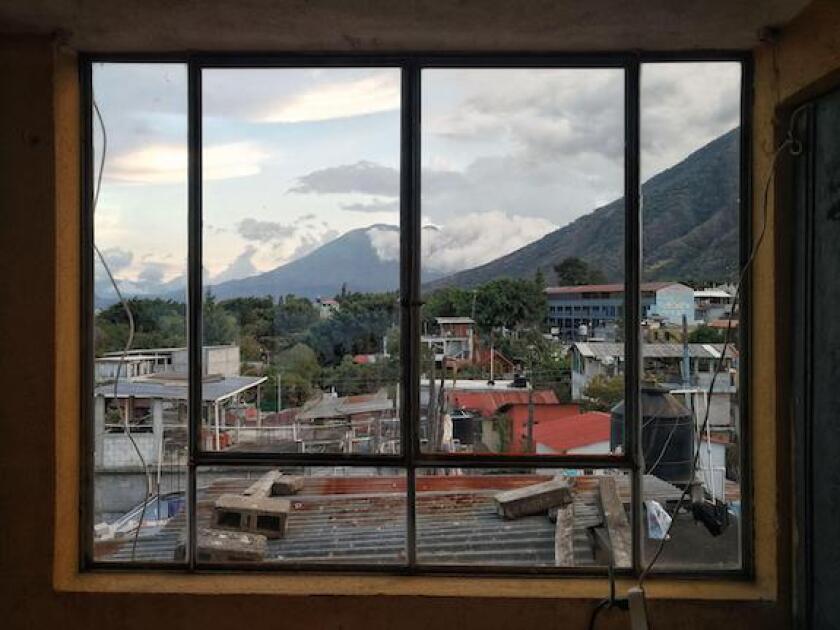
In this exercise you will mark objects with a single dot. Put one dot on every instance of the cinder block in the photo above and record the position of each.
(215, 545)
(258, 515)
(534, 499)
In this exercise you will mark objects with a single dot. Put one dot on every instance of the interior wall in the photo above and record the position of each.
(34, 150)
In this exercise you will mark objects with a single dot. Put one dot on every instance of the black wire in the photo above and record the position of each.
(593, 617)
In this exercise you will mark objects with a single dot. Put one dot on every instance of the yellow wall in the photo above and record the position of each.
(39, 320)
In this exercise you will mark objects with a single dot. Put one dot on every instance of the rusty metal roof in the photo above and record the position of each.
(362, 520)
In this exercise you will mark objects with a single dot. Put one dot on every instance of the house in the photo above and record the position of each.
(557, 428)
(712, 304)
(218, 359)
(454, 340)
(580, 312)
(327, 307)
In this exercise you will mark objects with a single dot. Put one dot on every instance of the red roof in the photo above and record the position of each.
(559, 427)
(487, 402)
(606, 288)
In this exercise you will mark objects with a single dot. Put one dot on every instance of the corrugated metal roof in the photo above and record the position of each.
(362, 520)
(154, 386)
(606, 349)
(606, 288)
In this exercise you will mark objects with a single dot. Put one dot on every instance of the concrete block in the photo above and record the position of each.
(534, 499)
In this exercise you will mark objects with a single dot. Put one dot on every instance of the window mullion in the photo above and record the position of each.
(194, 343)
(410, 287)
(632, 293)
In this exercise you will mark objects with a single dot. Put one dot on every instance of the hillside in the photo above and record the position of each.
(690, 219)
(350, 260)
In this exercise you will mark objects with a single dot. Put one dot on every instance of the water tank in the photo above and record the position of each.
(667, 434)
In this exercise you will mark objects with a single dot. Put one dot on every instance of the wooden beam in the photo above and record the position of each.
(564, 553)
(533, 499)
(615, 519)
(262, 487)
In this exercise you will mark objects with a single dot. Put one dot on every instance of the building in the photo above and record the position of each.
(712, 304)
(558, 429)
(454, 340)
(685, 369)
(223, 360)
(326, 307)
(594, 310)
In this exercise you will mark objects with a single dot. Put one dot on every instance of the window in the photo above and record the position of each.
(322, 292)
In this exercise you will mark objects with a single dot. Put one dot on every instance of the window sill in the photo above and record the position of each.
(418, 586)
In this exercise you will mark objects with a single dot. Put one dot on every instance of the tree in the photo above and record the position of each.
(604, 392)
(573, 272)
(219, 326)
(510, 303)
(294, 315)
(704, 334)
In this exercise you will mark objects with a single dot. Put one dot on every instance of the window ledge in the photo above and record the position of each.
(421, 586)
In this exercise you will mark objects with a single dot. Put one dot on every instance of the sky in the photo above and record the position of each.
(292, 158)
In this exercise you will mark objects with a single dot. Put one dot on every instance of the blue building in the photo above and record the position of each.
(597, 307)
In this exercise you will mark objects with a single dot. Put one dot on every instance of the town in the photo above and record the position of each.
(509, 368)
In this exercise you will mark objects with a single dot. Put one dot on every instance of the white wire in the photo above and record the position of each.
(131, 330)
(795, 148)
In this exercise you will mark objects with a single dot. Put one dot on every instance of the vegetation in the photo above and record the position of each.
(573, 272)
(288, 341)
(704, 334)
(604, 392)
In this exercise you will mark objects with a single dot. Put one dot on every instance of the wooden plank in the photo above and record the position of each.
(262, 487)
(615, 519)
(564, 554)
(533, 499)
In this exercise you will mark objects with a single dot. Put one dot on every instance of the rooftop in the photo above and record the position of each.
(362, 520)
(605, 288)
(605, 349)
(175, 387)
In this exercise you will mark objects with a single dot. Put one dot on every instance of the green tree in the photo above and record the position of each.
(294, 315)
(219, 326)
(704, 334)
(603, 392)
(573, 272)
(509, 302)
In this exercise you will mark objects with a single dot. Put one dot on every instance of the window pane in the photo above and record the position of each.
(510, 517)
(333, 515)
(690, 161)
(139, 404)
(522, 260)
(301, 260)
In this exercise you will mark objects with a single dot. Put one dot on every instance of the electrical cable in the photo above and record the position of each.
(794, 147)
(129, 340)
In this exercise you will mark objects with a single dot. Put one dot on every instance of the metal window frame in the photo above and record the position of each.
(410, 457)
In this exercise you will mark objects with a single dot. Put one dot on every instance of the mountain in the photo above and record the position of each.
(350, 260)
(690, 228)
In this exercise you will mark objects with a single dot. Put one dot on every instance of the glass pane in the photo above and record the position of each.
(690, 162)
(333, 515)
(301, 260)
(522, 260)
(139, 402)
(522, 518)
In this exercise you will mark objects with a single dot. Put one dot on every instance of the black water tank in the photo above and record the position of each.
(667, 434)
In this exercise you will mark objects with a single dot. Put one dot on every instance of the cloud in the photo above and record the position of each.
(117, 258)
(310, 242)
(167, 163)
(152, 272)
(465, 241)
(377, 205)
(264, 231)
(241, 267)
(343, 99)
(362, 177)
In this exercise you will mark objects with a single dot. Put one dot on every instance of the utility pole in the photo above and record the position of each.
(529, 435)
(279, 392)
